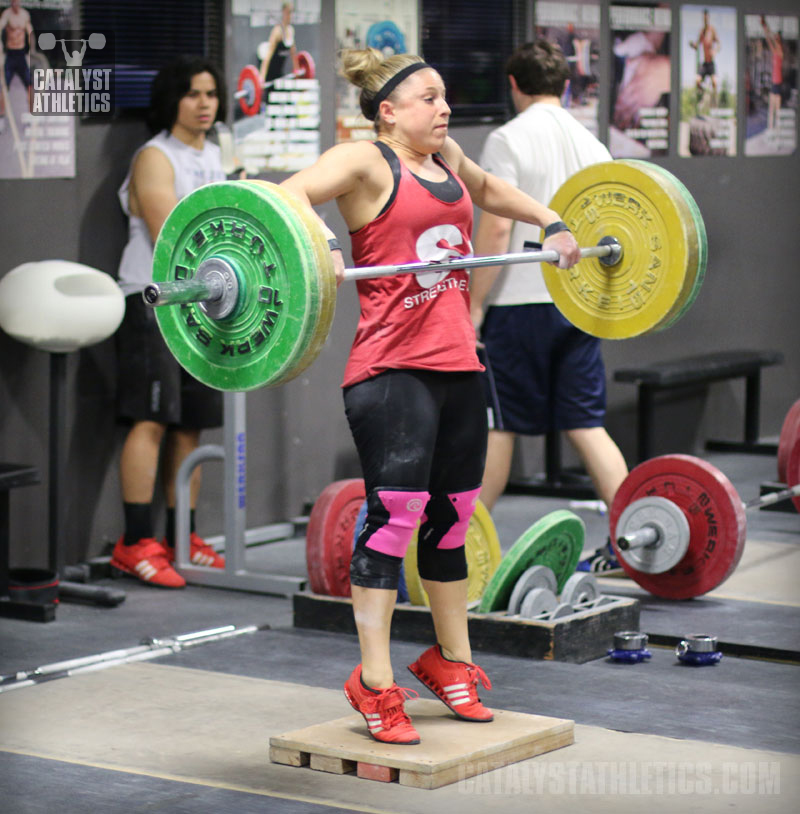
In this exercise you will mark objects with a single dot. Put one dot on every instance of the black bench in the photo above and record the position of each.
(703, 369)
(12, 476)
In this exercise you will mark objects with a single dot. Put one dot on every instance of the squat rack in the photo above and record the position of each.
(236, 575)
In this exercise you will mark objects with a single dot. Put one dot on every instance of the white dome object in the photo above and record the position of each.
(59, 306)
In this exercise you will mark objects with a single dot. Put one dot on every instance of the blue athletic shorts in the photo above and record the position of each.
(542, 373)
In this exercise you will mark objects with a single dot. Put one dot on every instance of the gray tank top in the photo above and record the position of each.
(193, 168)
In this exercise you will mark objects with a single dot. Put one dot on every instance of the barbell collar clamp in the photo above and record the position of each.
(645, 536)
(182, 291)
(630, 640)
(697, 643)
(215, 287)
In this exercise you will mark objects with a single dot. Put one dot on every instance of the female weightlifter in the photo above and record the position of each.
(412, 393)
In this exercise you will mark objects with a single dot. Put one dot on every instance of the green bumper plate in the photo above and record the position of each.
(555, 541)
(266, 340)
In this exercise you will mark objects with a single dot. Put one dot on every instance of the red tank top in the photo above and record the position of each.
(414, 321)
(777, 67)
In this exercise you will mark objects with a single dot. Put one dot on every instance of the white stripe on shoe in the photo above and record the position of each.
(373, 721)
(457, 694)
(145, 570)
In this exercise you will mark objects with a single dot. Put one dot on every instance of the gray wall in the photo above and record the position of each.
(298, 440)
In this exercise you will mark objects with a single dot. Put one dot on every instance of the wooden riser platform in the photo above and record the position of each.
(449, 750)
(577, 639)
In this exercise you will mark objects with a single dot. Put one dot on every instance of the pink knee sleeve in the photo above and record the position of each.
(405, 509)
(464, 504)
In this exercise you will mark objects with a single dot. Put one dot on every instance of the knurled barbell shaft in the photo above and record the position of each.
(773, 497)
(647, 535)
(181, 291)
(611, 250)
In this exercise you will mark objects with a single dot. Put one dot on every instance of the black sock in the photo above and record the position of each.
(138, 522)
(170, 531)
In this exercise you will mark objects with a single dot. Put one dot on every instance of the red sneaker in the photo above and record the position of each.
(383, 710)
(455, 682)
(200, 552)
(147, 560)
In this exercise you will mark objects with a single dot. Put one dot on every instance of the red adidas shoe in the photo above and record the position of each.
(147, 560)
(200, 552)
(383, 711)
(455, 682)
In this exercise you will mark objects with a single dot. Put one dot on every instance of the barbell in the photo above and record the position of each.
(248, 273)
(250, 87)
(678, 525)
(47, 41)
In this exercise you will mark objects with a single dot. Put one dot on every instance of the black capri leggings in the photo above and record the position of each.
(416, 431)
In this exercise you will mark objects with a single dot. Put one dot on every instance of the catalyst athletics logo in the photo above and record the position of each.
(76, 76)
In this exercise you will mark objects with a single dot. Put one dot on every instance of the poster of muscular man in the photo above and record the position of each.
(576, 28)
(31, 146)
(391, 26)
(708, 81)
(770, 84)
(640, 87)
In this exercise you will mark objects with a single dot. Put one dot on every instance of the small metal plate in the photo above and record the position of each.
(329, 536)
(537, 601)
(580, 589)
(563, 609)
(537, 576)
(789, 438)
(659, 243)
(669, 521)
(482, 548)
(555, 541)
(716, 517)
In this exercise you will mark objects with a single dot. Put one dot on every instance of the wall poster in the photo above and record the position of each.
(276, 118)
(391, 26)
(576, 28)
(640, 86)
(770, 84)
(33, 145)
(708, 81)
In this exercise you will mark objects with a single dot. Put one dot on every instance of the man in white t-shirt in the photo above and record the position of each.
(542, 373)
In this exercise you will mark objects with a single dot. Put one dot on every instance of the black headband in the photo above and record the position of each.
(392, 83)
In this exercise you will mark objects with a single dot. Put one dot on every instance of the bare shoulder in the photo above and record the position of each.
(361, 158)
(152, 165)
(453, 154)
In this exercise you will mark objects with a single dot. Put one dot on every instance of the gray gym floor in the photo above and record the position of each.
(189, 732)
